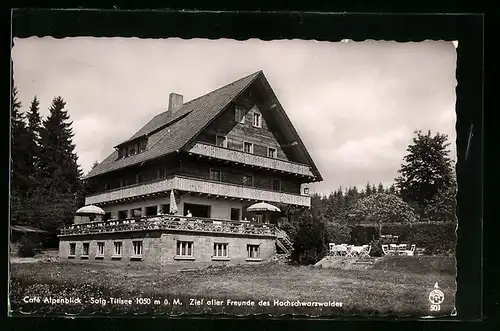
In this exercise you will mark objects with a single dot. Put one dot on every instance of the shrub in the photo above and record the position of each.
(28, 247)
(338, 234)
(362, 235)
(309, 239)
(381, 209)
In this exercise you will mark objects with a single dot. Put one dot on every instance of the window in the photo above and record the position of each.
(107, 216)
(131, 149)
(253, 251)
(125, 152)
(239, 114)
(85, 249)
(106, 187)
(276, 185)
(142, 145)
(122, 214)
(72, 249)
(137, 248)
(184, 248)
(247, 180)
(257, 120)
(161, 173)
(221, 141)
(220, 250)
(118, 248)
(306, 190)
(248, 147)
(271, 152)
(235, 214)
(100, 248)
(215, 175)
(140, 178)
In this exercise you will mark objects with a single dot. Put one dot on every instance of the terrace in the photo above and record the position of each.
(170, 223)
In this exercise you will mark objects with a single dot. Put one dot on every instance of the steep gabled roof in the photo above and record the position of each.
(170, 134)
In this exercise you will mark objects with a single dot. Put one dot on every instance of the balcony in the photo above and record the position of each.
(200, 186)
(235, 156)
(170, 223)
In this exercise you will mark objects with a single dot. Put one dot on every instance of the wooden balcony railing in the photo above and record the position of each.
(232, 155)
(170, 223)
(203, 186)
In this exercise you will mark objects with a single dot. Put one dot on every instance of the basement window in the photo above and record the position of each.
(253, 252)
(85, 254)
(221, 250)
(184, 250)
(117, 254)
(72, 250)
(100, 251)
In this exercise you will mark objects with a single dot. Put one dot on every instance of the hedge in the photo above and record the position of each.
(437, 238)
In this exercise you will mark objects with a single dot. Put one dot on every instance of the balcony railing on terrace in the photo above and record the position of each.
(236, 156)
(172, 223)
(203, 186)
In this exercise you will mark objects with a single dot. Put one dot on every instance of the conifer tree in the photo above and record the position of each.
(19, 184)
(58, 160)
(33, 146)
(368, 189)
(380, 188)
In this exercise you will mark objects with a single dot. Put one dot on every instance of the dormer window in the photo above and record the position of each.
(257, 120)
(132, 149)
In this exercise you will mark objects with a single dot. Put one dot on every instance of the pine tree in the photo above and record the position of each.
(380, 188)
(19, 155)
(33, 146)
(61, 176)
(368, 189)
(58, 162)
(426, 169)
(18, 159)
(392, 189)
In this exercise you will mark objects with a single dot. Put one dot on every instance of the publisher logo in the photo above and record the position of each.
(436, 297)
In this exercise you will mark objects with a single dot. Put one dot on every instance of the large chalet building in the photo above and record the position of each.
(179, 188)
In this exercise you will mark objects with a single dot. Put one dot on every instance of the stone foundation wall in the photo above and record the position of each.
(160, 248)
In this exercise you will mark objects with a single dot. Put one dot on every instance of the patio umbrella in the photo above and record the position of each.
(90, 209)
(173, 204)
(263, 206)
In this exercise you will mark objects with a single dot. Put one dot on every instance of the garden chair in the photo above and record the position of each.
(385, 249)
(366, 249)
(393, 248)
(341, 250)
(357, 250)
(411, 251)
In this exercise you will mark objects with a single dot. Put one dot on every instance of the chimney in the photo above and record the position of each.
(175, 103)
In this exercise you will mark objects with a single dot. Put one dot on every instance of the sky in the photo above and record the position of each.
(355, 105)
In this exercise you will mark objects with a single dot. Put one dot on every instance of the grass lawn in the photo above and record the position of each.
(394, 285)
